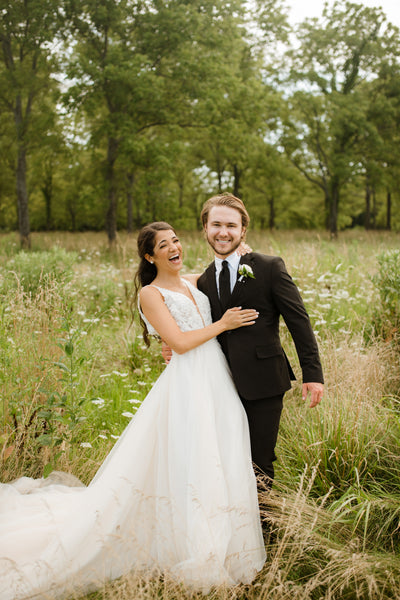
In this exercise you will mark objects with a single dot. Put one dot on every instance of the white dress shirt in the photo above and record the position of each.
(233, 263)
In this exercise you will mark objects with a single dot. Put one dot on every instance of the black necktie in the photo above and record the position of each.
(224, 285)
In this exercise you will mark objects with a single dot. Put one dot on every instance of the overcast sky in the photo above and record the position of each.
(300, 9)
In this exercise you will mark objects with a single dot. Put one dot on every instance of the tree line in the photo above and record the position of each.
(114, 113)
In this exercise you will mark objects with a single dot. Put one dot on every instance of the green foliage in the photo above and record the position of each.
(387, 282)
(31, 271)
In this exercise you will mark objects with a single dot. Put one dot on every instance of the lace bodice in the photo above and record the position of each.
(189, 316)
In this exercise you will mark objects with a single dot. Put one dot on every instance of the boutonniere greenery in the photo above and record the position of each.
(245, 271)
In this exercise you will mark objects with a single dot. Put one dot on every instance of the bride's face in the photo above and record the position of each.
(167, 253)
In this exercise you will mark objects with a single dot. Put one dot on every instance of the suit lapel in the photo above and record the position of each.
(241, 283)
(237, 292)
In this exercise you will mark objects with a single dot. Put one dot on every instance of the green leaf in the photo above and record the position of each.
(69, 348)
(45, 414)
(45, 440)
(62, 366)
(47, 470)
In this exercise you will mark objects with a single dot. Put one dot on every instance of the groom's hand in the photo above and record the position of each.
(316, 390)
(166, 352)
(243, 249)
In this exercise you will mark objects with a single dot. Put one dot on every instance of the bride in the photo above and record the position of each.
(177, 493)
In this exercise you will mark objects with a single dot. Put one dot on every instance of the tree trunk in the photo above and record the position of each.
(388, 211)
(367, 219)
(22, 190)
(327, 206)
(271, 203)
(180, 196)
(236, 181)
(374, 210)
(22, 199)
(138, 216)
(72, 213)
(334, 207)
(111, 214)
(219, 173)
(129, 202)
(47, 190)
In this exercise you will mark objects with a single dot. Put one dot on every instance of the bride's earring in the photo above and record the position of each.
(151, 262)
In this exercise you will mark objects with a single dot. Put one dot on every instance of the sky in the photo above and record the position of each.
(300, 9)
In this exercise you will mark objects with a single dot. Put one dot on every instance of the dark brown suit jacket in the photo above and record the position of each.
(259, 366)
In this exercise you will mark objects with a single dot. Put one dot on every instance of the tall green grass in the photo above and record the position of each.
(74, 369)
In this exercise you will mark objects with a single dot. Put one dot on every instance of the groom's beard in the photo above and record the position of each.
(230, 249)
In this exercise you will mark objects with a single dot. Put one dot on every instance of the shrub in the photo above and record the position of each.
(387, 282)
(32, 270)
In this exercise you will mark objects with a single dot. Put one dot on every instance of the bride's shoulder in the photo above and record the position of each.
(149, 293)
(191, 278)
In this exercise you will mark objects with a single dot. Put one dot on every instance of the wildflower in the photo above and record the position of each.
(128, 414)
(120, 374)
(98, 401)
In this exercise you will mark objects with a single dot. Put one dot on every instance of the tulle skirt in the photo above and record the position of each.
(176, 495)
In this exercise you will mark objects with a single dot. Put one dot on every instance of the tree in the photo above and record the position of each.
(384, 116)
(328, 119)
(141, 66)
(27, 32)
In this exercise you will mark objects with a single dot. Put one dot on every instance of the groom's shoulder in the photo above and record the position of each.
(203, 277)
(264, 260)
(209, 268)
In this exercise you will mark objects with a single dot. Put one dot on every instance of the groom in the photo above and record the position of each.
(260, 368)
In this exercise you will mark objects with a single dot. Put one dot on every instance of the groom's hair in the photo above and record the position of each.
(225, 200)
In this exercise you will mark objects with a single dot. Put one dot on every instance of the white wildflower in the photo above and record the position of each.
(98, 402)
(120, 374)
(128, 414)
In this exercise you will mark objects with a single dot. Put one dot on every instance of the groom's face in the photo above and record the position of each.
(224, 230)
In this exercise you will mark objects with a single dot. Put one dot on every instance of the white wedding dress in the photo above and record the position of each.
(176, 495)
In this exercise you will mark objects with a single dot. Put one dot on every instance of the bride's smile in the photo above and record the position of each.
(167, 252)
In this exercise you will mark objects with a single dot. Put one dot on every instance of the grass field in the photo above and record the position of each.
(74, 370)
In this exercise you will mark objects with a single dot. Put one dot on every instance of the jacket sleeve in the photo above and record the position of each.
(290, 305)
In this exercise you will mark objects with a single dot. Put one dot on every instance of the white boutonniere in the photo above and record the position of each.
(245, 271)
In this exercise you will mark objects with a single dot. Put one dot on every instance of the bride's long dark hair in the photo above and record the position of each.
(146, 271)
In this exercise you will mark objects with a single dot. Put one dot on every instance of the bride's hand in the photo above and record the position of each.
(238, 317)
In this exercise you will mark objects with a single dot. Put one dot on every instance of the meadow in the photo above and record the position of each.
(74, 370)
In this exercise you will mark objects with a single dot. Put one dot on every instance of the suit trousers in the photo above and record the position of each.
(264, 416)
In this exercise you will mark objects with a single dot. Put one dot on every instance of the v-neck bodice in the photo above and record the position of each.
(188, 314)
